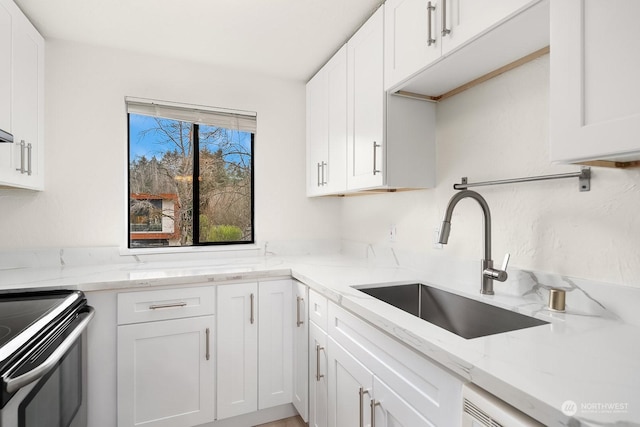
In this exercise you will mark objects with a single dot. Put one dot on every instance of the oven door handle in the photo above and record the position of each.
(14, 384)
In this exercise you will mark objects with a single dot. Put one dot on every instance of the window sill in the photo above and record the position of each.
(250, 248)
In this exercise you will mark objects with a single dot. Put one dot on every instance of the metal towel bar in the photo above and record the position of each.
(584, 177)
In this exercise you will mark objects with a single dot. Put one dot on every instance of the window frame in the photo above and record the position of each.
(195, 245)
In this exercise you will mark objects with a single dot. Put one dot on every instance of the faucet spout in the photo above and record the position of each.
(488, 273)
(445, 229)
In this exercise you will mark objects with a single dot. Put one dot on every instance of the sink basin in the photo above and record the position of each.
(463, 316)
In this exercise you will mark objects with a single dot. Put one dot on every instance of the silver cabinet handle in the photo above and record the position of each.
(318, 349)
(21, 169)
(445, 30)
(207, 333)
(362, 392)
(29, 146)
(430, 9)
(373, 412)
(323, 182)
(299, 321)
(318, 178)
(375, 157)
(171, 305)
(252, 319)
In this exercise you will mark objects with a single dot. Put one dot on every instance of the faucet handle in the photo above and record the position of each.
(495, 274)
(505, 262)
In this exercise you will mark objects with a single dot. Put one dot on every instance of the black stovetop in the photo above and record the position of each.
(25, 315)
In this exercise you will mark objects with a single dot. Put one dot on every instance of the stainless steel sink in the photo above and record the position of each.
(463, 316)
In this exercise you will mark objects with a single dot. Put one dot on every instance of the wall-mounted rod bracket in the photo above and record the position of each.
(584, 180)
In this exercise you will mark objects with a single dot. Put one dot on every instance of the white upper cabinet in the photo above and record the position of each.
(432, 47)
(358, 137)
(5, 89)
(22, 80)
(5, 69)
(391, 139)
(594, 90)
(365, 104)
(465, 19)
(327, 127)
(410, 38)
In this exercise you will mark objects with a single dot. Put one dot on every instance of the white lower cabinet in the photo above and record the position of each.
(318, 389)
(254, 347)
(388, 409)
(300, 392)
(358, 398)
(275, 343)
(166, 375)
(237, 349)
(350, 385)
(376, 381)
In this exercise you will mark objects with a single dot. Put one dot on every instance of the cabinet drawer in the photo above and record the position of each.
(318, 309)
(425, 386)
(149, 306)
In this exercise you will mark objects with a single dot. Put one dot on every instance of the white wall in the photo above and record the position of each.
(84, 203)
(498, 130)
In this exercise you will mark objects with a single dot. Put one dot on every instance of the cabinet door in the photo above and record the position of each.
(392, 411)
(301, 350)
(237, 349)
(6, 170)
(318, 397)
(327, 128)
(365, 105)
(335, 171)
(275, 342)
(466, 19)
(317, 131)
(350, 388)
(407, 36)
(27, 102)
(166, 373)
(594, 88)
(5, 68)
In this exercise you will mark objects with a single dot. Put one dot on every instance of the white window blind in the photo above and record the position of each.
(230, 119)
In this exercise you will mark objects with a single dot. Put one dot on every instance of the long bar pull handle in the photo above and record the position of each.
(252, 319)
(324, 179)
(171, 305)
(373, 412)
(445, 30)
(362, 392)
(318, 177)
(430, 9)
(208, 343)
(22, 147)
(318, 350)
(29, 147)
(299, 321)
(375, 157)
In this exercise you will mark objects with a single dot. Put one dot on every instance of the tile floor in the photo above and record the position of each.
(289, 422)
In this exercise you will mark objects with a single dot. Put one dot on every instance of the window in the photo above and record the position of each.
(190, 175)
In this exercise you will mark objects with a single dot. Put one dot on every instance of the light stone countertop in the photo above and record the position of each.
(589, 355)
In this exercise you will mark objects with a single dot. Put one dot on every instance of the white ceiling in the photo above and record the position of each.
(287, 38)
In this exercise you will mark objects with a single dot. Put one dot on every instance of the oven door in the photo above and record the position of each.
(50, 386)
